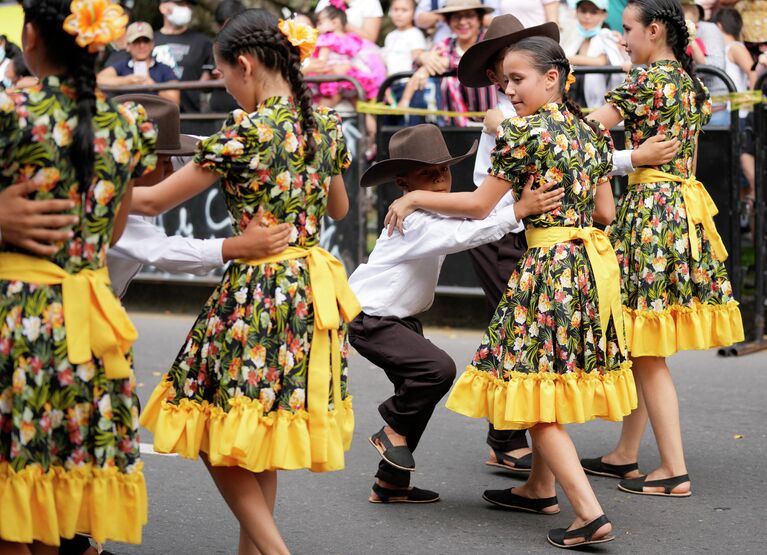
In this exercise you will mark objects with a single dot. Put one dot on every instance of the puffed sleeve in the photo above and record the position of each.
(705, 109)
(143, 157)
(340, 158)
(516, 146)
(229, 151)
(10, 133)
(604, 146)
(635, 96)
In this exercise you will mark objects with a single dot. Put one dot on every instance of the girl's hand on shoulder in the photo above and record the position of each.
(545, 198)
(493, 120)
(398, 211)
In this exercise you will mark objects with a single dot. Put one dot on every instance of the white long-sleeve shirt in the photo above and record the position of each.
(401, 274)
(143, 243)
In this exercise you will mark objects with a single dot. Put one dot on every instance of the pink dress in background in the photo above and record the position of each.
(364, 57)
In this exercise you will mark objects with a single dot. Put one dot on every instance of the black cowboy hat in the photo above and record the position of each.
(409, 149)
(503, 31)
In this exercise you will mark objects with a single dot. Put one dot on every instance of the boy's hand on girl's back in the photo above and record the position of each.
(545, 198)
(257, 240)
(655, 151)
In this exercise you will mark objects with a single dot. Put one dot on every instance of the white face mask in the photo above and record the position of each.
(180, 16)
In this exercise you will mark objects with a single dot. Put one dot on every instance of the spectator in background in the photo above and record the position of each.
(17, 74)
(189, 53)
(428, 19)
(531, 12)
(363, 17)
(141, 68)
(220, 100)
(8, 51)
(754, 14)
(594, 45)
(615, 14)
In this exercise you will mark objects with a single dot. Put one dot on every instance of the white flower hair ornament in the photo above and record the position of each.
(692, 30)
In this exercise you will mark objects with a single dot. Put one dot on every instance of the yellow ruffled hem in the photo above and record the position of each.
(663, 333)
(243, 436)
(529, 399)
(45, 506)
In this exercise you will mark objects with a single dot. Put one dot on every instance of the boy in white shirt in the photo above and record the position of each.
(398, 282)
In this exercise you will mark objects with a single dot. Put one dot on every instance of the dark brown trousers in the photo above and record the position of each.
(493, 263)
(421, 372)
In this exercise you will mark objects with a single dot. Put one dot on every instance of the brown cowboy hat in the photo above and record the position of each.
(452, 6)
(409, 149)
(503, 31)
(164, 113)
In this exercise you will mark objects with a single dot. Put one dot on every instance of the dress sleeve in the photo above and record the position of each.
(605, 149)
(226, 152)
(516, 146)
(340, 158)
(10, 133)
(634, 97)
(705, 110)
(144, 158)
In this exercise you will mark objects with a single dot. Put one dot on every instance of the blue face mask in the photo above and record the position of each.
(588, 33)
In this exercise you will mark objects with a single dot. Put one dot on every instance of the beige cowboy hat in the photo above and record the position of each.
(409, 149)
(503, 31)
(452, 6)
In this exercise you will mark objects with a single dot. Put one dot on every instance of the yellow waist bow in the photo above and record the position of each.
(96, 323)
(332, 298)
(604, 266)
(698, 204)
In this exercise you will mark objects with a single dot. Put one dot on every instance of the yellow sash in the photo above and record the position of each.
(604, 266)
(330, 292)
(96, 323)
(698, 204)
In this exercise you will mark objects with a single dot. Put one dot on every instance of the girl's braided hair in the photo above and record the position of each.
(545, 54)
(670, 14)
(61, 50)
(255, 32)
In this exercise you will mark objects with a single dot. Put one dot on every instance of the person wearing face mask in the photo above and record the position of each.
(8, 51)
(188, 52)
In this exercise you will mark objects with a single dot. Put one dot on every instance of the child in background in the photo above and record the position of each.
(554, 352)
(675, 289)
(594, 46)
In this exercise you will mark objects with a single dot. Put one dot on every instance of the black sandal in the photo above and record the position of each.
(557, 536)
(637, 486)
(518, 464)
(507, 499)
(399, 457)
(599, 468)
(403, 495)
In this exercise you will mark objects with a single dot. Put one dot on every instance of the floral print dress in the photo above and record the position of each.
(238, 388)
(545, 356)
(672, 301)
(68, 434)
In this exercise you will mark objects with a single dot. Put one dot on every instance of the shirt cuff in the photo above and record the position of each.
(213, 253)
(622, 163)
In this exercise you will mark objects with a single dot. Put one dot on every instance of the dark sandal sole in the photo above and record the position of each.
(655, 493)
(581, 544)
(518, 508)
(507, 467)
(395, 465)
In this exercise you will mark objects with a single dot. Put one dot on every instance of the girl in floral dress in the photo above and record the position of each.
(260, 383)
(676, 294)
(69, 452)
(554, 351)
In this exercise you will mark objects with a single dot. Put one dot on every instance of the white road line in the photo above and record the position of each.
(147, 449)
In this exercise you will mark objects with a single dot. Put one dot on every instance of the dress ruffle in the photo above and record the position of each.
(243, 436)
(679, 328)
(45, 506)
(545, 397)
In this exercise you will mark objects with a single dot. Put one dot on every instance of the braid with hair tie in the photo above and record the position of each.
(569, 102)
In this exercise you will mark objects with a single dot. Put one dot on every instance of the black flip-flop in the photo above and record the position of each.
(403, 495)
(597, 467)
(637, 486)
(399, 456)
(557, 536)
(507, 499)
(518, 464)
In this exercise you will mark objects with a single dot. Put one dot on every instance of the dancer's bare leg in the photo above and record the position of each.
(553, 444)
(653, 376)
(540, 484)
(268, 482)
(38, 548)
(13, 548)
(627, 450)
(242, 492)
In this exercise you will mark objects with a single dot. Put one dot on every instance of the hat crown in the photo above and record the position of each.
(164, 114)
(423, 142)
(469, 4)
(502, 25)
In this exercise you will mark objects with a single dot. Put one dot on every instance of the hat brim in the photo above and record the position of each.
(187, 147)
(473, 64)
(386, 170)
(444, 11)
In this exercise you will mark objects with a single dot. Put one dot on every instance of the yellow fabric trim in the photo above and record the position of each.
(95, 321)
(546, 397)
(604, 266)
(663, 333)
(699, 205)
(105, 503)
(332, 298)
(243, 436)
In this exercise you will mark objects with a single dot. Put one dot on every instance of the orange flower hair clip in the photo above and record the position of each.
(570, 81)
(299, 35)
(95, 23)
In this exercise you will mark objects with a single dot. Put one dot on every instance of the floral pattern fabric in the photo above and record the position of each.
(252, 338)
(55, 415)
(660, 279)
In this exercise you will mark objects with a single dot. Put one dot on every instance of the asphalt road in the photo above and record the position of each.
(723, 417)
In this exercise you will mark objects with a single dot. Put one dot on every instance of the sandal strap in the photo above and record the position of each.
(384, 494)
(668, 484)
(587, 532)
